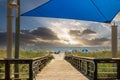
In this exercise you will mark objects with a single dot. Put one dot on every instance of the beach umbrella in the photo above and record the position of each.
(90, 10)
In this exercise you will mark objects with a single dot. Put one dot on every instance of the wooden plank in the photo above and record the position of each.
(59, 69)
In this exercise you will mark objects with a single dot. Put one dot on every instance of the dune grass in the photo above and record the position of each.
(104, 69)
(27, 54)
(3, 53)
(24, 54)
(23, 68)
(101, 54)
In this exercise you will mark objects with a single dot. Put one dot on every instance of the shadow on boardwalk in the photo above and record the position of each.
(59, 69)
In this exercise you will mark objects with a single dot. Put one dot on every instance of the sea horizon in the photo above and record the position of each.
(64, 48)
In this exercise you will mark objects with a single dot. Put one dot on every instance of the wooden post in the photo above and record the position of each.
(17, 34)
(7, 70)
(114, 41)
(87, 68)
(96, 71)
(30, 70)
(9, 31)
(118, 69)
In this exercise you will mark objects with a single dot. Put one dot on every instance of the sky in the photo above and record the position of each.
(39, 31)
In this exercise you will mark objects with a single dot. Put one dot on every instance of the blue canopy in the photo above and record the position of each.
(90, 10)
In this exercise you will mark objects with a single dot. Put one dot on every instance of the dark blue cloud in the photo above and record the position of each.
(44, 33)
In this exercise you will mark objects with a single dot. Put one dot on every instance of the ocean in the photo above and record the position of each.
(64, 48)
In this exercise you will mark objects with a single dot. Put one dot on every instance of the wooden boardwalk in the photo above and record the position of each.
(59, 69)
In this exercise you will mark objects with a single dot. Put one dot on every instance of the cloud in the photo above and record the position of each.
(25, 31)
(98, 41)
(88, 37)
(44, 33)
(3, 38)
(86, 34)
(38, 36)
(93, 42)
(88, 31)
(81, 33)
(60, 33)
(75, 32)
(35, 37)
(101, 29)
(26, 38)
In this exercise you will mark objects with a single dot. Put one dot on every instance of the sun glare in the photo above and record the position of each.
(73, 42)
(68, 39)
(64, 36)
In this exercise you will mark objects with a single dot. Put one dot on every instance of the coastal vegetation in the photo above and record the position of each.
(105, 70)
(100, 54)
(23, 68)
(33, 54)
(25, 54)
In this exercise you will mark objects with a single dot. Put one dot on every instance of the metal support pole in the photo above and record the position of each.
(9, 31)
(114, 41)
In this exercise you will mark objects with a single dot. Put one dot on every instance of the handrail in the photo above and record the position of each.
(92, 67)
(31, 65)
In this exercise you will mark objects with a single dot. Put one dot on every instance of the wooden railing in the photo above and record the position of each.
(28, 68)
(97, 69)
